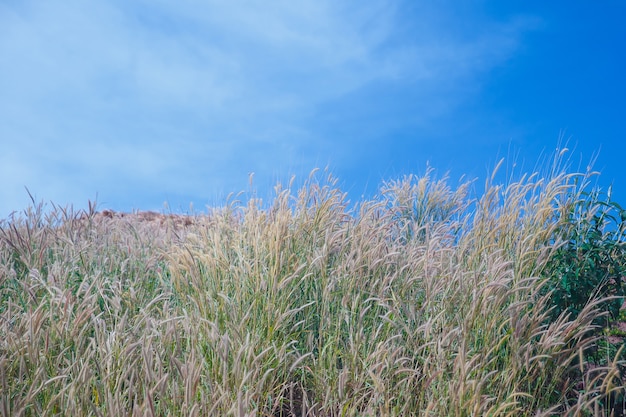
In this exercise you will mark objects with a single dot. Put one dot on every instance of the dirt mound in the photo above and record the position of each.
(151, 217)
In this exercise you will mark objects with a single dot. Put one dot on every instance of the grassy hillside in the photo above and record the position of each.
(426, 300)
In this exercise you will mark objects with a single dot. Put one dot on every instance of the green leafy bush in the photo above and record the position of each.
(591, 258)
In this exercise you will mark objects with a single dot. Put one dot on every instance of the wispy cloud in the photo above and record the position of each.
(181, 97)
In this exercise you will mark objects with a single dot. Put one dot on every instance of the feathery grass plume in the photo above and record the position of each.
(422, 301)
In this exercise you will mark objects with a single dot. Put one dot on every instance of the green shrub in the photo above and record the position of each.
(591, 258)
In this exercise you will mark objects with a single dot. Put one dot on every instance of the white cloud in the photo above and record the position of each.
(193, 92)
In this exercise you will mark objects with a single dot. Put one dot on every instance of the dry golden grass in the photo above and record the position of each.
(419, 302)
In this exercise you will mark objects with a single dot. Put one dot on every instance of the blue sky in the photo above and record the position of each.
(138, 103)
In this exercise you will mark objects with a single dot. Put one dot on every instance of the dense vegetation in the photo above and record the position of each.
(423, 301)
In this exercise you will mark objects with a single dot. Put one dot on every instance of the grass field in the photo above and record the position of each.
(426, 300)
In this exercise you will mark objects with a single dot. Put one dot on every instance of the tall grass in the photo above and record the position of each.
(422, 301)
